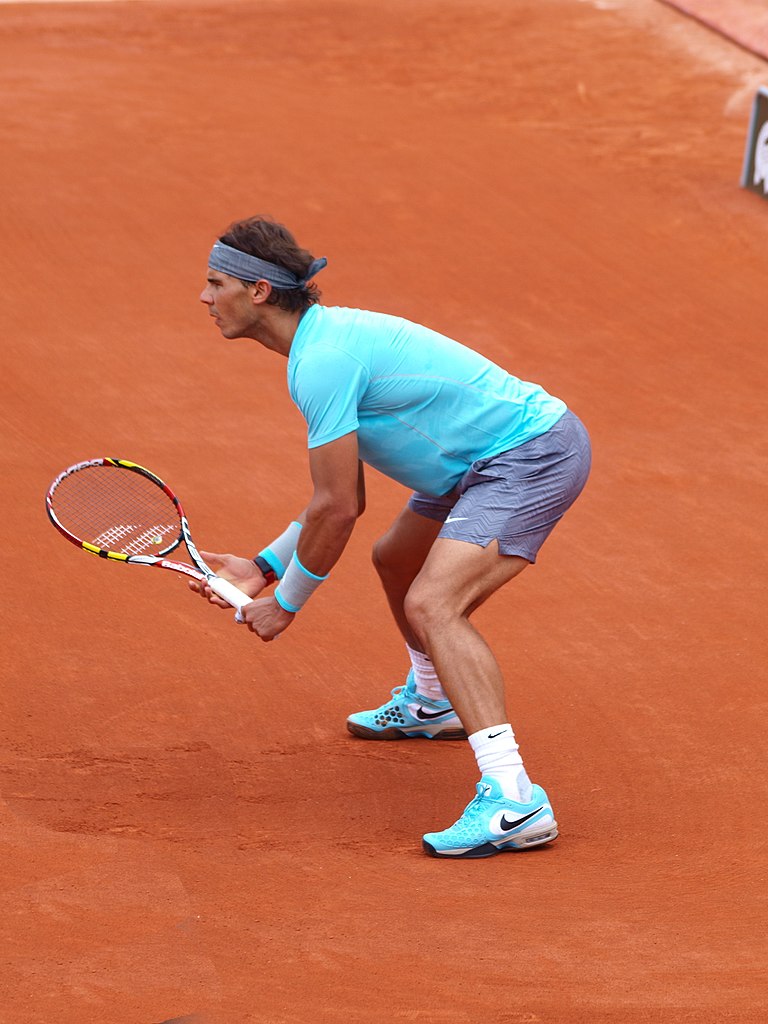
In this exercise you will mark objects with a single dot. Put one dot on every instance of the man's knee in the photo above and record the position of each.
(425, 609)
(382, 556)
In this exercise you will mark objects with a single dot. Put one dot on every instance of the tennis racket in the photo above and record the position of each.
(121, 511)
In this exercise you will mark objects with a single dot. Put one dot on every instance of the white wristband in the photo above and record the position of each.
(297, 586)
(280, 551)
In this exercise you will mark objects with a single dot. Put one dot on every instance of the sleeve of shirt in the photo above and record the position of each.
(328, 386)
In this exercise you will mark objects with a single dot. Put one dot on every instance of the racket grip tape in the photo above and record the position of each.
(230, 593)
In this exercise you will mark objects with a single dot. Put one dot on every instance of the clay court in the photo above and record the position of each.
(189, 834)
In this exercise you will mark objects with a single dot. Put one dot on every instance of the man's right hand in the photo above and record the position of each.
(240, 571)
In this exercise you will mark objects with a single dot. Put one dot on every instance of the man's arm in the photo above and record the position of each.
(338, 476)
(338, 499)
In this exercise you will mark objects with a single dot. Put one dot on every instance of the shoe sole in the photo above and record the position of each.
(365, 733)
(490, 850)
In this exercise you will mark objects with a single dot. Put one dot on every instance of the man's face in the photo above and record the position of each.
(230, 303)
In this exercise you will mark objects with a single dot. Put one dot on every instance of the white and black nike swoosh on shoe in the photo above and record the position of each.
(420, 712)
(492, 823)
(407, 715)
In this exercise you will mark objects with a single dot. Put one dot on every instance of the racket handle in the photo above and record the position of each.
(230, 593)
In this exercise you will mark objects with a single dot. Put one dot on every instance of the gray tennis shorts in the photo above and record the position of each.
(518, 497)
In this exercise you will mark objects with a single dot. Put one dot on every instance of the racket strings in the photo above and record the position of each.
(118, 510)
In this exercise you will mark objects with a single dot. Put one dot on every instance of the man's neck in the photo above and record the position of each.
(277, 329)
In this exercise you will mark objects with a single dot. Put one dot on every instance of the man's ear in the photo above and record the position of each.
(260, 292)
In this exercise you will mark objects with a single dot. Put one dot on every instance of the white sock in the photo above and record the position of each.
(425, 676)
(497, 755)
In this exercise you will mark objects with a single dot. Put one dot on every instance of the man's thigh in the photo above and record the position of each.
(461, 575)
(517, 498)
(407, 543)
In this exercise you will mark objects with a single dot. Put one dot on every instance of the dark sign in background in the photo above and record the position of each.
(755, 175)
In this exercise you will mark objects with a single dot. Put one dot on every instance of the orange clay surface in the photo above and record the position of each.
(743, 21)
(188, 832)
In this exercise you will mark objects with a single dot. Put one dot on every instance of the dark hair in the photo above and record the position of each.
(268, 240)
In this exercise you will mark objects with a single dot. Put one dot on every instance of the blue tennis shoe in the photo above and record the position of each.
(492, 823)
(408, 715)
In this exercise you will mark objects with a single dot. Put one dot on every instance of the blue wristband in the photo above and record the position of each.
(280, 551)
(297, 586)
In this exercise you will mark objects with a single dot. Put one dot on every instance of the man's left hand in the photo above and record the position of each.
(266, 618)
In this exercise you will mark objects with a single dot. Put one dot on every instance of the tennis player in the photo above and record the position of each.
(493, 463)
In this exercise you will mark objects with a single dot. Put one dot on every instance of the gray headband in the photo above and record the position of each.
(251, 268)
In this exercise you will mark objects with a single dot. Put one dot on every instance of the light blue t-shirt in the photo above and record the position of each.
(424, 407)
